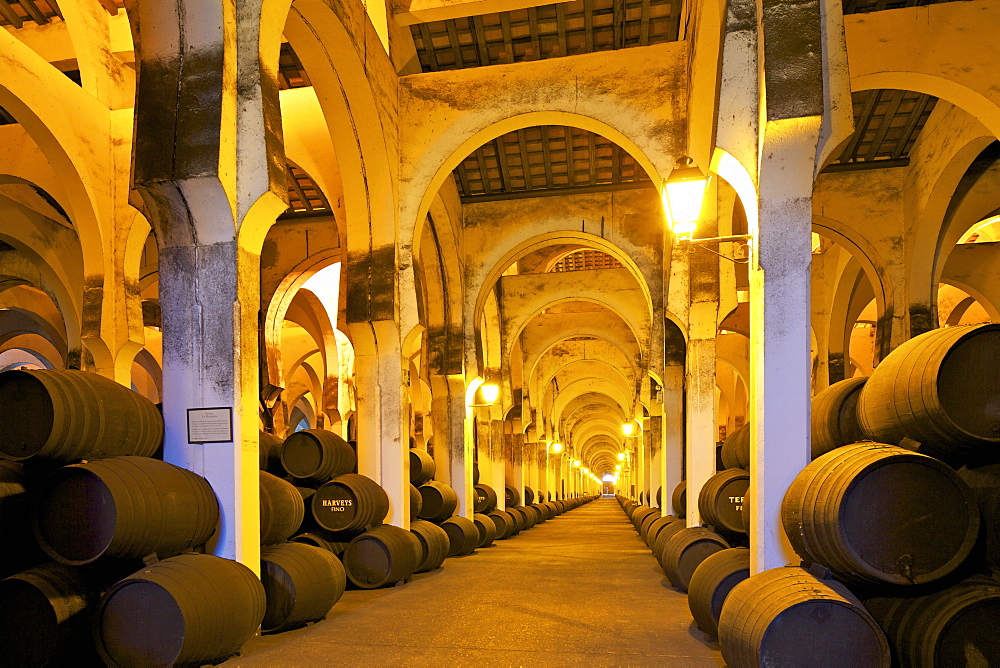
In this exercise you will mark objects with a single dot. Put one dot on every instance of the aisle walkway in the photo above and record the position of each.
(579, 589)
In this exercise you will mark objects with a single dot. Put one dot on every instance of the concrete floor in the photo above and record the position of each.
(579, 589)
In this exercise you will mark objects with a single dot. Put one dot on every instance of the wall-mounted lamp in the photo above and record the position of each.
(556, 447)
(618, 467)
(576, 463)
(621, 456)
(586, 471)
(683, 196)
(628, 428)
(489, 393)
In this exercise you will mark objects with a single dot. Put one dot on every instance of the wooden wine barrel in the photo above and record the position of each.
(647, 521)
(984, 481)
(282, 509)
(641, 513)
(462, 535)
(666, 533)
(382, 557)
(190, 609)
(521, 519)
(511, 497)
(721, 500)
(532, 515)
(45, 616)
(529, 496)
(434, 545)
(348, 503)
(711, 583)
(64, 416)
(787, 616)
(17, 546)
(878, 513)
(123, 507)
(504, 523)
(541, 510)
(333, 543)
(475, 473)
(416, 502)
(953, 627)
(487, 529)
(745, 512)
(940, 388)
(678, 500)
(485, 499)
(439, 501)
(317, 455)
(835, 416)
(736, 449)
(685, 550)
(269, 446)
(659, 497)
(422, 467)
(658, 524)
(301, 583)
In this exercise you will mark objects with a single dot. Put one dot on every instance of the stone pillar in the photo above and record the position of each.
(657, 462)
(383, 438)
(452, 446)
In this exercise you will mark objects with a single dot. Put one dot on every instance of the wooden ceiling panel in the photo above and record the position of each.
(887, 123)
(863, 6)
(549, 31)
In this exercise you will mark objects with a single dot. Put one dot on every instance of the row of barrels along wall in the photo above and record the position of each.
(875, 522)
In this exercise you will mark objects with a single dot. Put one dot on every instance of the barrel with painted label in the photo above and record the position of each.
(348, 503)
(485, 498)
(721, 500)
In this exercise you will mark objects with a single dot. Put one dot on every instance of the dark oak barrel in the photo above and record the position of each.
(941, 388)
(382, 557)
(123, 507)
(487, 529)
(422, 467)
(317, 455)
(282, 509)
(678, 500)
(327, 540)
(953, 627)
(504, 523)
(64, 416)
(711, 583)
(654, 528)
(511, 496)
(984, 481)
(721, 500)
(666, 533)
(45, 616)
(543, 512)
(485, 498)
(269, 447)
(532, 515)
(301, 583)
(462, 535)
(416, 502)
(434, 545)
(348, 503)
(685, 550)
(788, 617)
(647, 521)
(439, 501)
(187, 610)
(17, 545)
(521, 518)
(641, 513)
(877, 513)
(736, 449)
(529, 496)
(835, 416)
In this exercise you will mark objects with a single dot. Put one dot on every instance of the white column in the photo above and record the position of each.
(701, 428)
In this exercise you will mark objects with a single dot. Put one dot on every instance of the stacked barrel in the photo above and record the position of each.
(899, 534)
(83, 447)
(444, 533)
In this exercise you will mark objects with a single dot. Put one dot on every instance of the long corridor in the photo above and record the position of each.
(579, 589)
